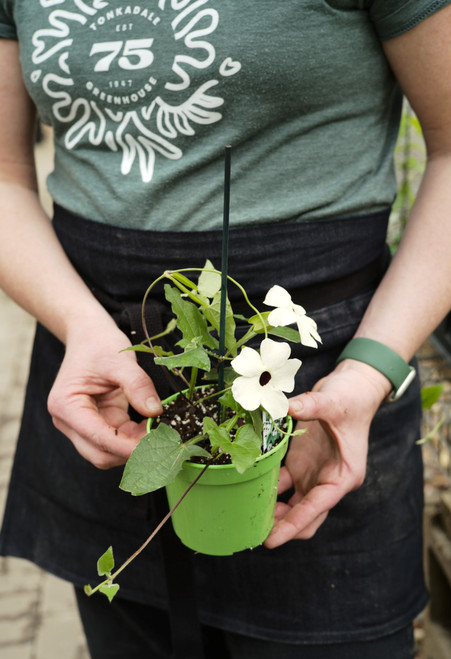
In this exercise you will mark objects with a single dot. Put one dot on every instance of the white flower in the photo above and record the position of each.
(288, 313)
(264, 376)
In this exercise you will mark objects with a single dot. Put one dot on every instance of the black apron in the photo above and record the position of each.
(360, 576)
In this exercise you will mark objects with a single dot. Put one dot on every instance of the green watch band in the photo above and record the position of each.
(383, 359)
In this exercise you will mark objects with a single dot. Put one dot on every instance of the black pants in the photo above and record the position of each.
(127, 630)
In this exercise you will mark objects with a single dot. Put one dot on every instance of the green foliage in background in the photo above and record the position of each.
(410, 163)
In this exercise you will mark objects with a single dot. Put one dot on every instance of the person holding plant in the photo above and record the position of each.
(142, 99)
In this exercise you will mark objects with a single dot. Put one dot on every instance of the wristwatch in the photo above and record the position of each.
(383, 359)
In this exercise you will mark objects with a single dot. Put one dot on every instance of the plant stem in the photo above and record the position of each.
(213, 395)
(192, 383)
(167, 373)
(194, 440)
(249, 335)
(231, 423)
(181, 286)
(152, 535)
(169, 274)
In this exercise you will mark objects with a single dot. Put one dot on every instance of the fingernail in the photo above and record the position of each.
(153, 404)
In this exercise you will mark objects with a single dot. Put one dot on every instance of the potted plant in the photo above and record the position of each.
(218, 447)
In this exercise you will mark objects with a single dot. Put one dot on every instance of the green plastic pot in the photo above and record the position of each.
(226, 512)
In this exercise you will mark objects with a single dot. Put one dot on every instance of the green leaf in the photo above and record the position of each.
(213, 315)
(430, 395)
(189, 319)
(157, 460)
(256, 321)
(243, 451)
(161, 352)
(209, 282)
(105, 563)
(247, 447)
(257, 421)
(196, 357)
(219, 437)
(88, 590)
(228, 400)
(288, 333)
(109, 590)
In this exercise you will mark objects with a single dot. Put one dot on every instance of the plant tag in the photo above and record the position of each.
(271, 434)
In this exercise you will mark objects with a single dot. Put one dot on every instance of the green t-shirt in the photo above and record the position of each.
(143, 97)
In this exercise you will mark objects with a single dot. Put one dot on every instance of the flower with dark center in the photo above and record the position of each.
(264, 376)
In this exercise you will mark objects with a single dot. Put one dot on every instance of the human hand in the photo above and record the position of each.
(329, 459)
(90, 397)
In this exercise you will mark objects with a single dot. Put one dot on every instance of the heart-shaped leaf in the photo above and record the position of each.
(109, 589)
(196, 357)
(430, 395)
(288, 333)
(219, 437)
(105, 564)
(209, 283)
(247, 447)
(243, 451)
(157, 460)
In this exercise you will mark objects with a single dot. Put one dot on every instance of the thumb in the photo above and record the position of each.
(139, 390)
(311, 406)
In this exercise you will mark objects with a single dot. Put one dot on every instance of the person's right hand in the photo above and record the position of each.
(91, 394)
(329, 460)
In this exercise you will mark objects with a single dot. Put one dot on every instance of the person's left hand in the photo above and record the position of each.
(329, 459)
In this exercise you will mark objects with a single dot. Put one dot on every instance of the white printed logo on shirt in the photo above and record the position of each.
(131, 76)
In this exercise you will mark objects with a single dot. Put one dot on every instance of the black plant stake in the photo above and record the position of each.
(224, 270)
